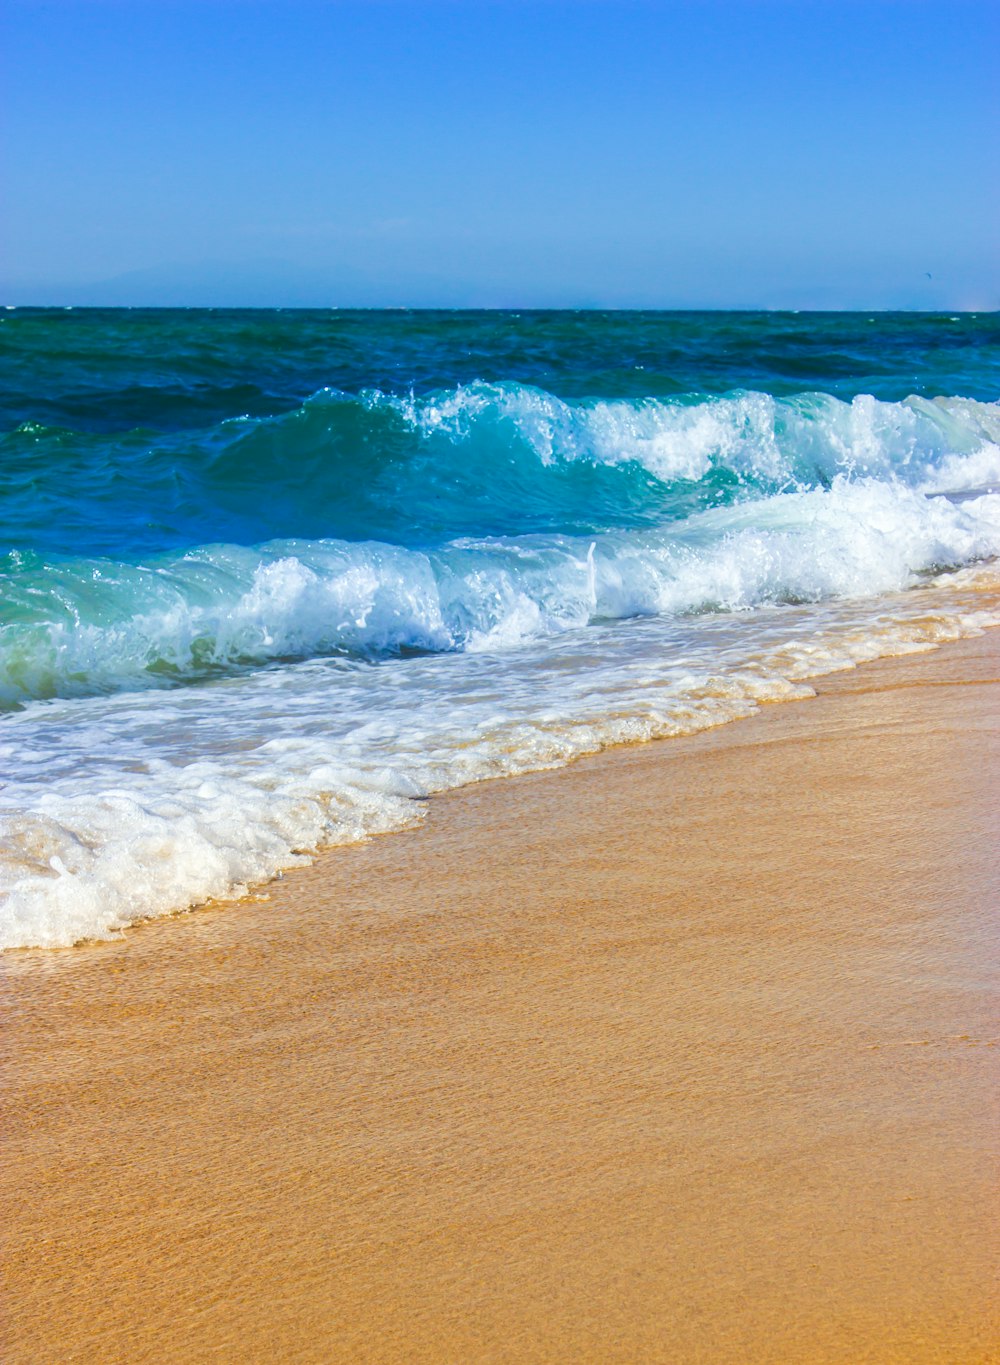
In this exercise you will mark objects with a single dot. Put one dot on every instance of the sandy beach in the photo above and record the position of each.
(686, 1053)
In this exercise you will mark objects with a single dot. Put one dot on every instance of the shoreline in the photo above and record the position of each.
(162, 884)
(679, 1053)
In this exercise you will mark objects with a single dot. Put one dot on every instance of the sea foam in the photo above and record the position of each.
(137, 805)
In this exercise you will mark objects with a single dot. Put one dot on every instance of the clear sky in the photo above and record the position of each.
(744, 153)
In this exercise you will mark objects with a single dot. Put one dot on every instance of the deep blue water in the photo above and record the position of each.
(126, 432)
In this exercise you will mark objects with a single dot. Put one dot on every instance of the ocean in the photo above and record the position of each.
(271, 579)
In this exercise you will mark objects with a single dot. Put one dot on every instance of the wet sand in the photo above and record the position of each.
(687, 1053)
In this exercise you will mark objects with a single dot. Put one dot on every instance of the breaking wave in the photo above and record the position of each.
(493, 514)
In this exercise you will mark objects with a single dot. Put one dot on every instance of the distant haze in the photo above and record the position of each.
(725, 153)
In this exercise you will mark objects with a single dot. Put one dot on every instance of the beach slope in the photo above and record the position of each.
(686, 1053)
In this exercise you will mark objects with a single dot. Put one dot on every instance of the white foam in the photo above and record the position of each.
(752, 434)
(119, 808)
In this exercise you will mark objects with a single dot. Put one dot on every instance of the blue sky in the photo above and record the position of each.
(744, 153)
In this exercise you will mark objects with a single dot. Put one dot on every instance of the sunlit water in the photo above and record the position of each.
(272, 578)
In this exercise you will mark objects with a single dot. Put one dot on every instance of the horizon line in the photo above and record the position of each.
(481, 308)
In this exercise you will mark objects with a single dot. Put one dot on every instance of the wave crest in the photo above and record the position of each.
(477, 460)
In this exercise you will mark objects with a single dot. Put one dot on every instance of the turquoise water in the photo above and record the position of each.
(339, 559)
(132, 432)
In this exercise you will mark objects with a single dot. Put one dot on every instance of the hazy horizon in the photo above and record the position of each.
(477, 308)
(775, 155)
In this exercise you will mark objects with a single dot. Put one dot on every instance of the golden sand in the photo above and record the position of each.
(686, 1054)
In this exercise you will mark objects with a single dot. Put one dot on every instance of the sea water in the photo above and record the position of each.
(269, 579)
